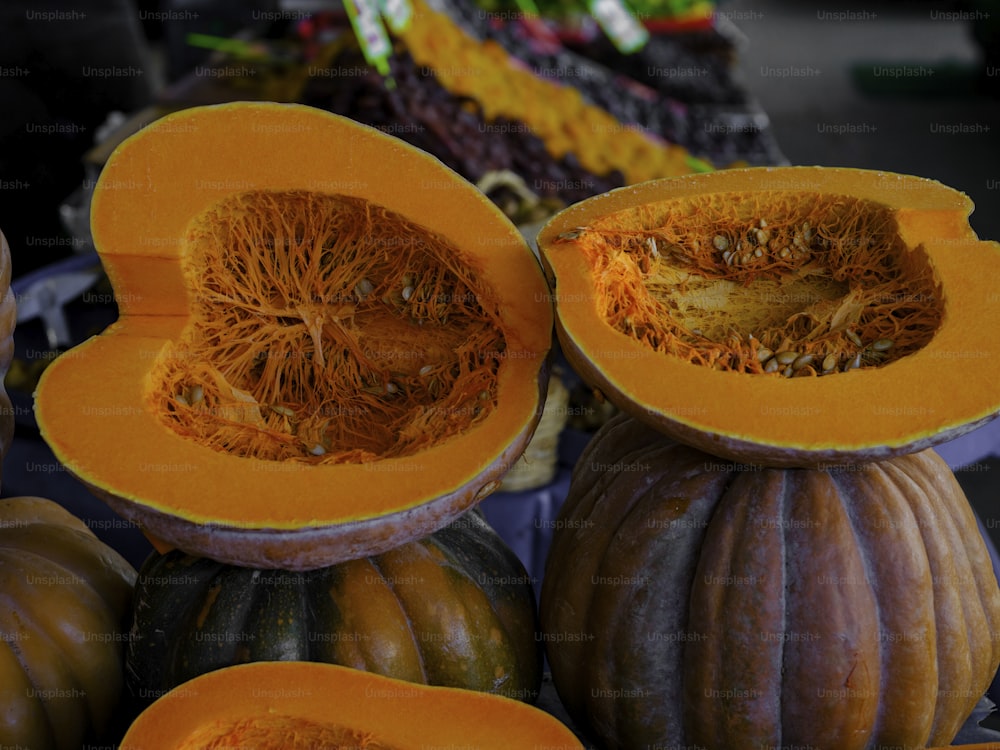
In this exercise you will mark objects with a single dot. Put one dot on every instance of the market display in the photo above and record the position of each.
(722, 605)
(194, 615)
(313, 706)
(358, 294)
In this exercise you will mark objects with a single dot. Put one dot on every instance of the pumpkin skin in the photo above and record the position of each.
(8, 320)
(635, 311)
(309, 705)
(692, 601)
(66, 598)
(163, 201)
(456, 608)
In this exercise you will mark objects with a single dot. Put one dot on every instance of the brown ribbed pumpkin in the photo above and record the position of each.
(692, 602)
(64, 599)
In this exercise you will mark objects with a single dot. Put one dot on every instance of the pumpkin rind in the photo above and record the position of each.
(65, 598)
(386, 713)
(690, 600)
(278, 514)
(936, 393)
(455, 609)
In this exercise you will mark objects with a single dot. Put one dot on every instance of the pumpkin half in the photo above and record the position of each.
(787, 316)
(192, 615)
(694, 602)
(311, 706)
(329, 344)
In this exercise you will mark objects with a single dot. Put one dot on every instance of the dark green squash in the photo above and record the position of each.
(454, 609)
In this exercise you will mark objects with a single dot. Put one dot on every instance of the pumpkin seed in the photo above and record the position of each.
(651, 241)
(786, 357)
(829, 362)
(763, 236)
(758, 252)
(807, 232)
(407, 292)
(317, 450)
(746, 258)
(283, 410)
(391, 387)
(772, 365)
(762, 222)
(801, 361)
(426, 370)
(363, 288)
(788, 372)
(854, 364)
(181, 400)
(487, 489)
(728, 257)
(853, 337)
(720, 243)
(197, 394)
(764, 354)
(784, 252)
(883, 345)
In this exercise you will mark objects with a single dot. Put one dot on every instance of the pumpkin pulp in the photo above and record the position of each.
(280, 732)
(326, 329)
(797, 283)
(787, 316)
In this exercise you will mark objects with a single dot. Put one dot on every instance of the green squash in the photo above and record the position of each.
(455, 609)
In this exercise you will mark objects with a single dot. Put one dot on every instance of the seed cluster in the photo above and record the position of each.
(327, 329)
(783, 283)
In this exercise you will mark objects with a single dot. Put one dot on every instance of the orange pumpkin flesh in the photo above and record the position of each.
(310, 705)
(660, 308)
(329, 344)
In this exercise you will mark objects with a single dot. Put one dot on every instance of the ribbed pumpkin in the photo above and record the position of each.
(64, 602)
(8, 320)
(690, 601)
(311, 706)
(456, 609)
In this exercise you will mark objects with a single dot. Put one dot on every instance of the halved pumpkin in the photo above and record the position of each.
(329, 344)
(788, 316)
(316, 706)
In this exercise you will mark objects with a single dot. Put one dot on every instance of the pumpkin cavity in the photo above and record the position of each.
(279, 732)
(768, 281)
(326, 329)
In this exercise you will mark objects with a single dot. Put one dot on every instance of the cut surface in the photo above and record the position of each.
(328, 703)
(786, 316)
(336, 348)
(753, 281)
(326, 329)
(279, 732)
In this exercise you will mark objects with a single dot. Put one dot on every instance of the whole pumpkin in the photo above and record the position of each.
(454, 609)
(690, 601)
(65, 599)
